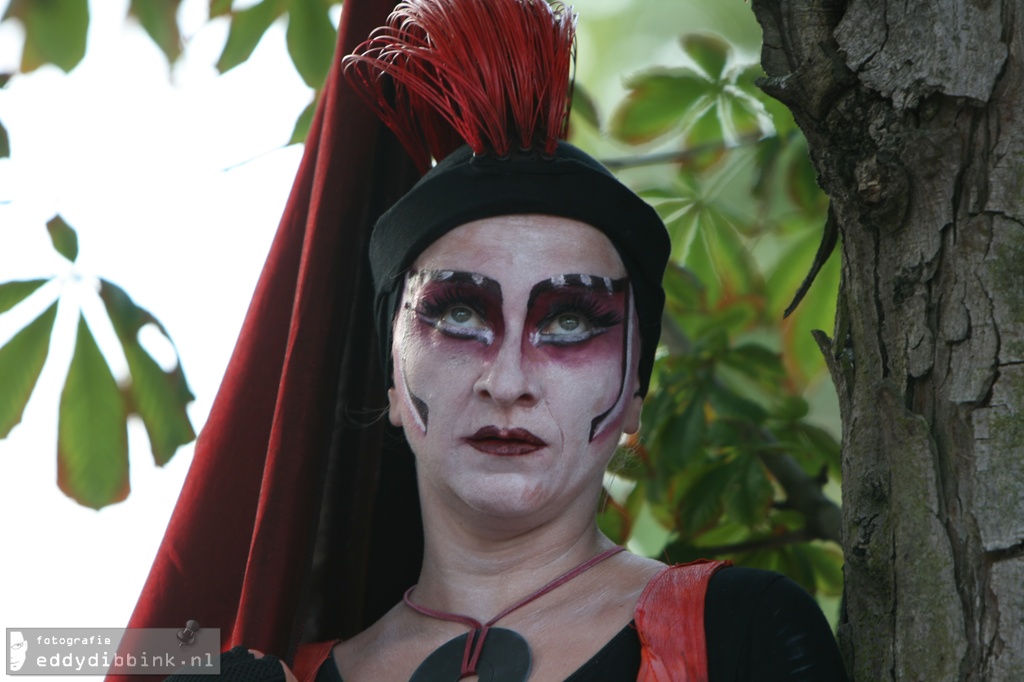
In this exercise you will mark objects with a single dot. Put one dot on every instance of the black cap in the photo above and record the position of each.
(571, 184)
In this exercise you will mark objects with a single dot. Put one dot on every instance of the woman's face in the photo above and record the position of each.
(515, 359)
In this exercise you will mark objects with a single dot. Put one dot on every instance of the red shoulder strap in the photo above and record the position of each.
(669, 618)
(309, 658)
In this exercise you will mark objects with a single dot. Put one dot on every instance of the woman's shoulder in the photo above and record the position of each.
(762, 624)
(752, 624)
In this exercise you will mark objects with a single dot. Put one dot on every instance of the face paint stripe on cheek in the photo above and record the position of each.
(421, 408)
(414, 405)
(602, 421)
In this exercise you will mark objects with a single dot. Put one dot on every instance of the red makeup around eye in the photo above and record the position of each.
(572, 311)
(459, 305)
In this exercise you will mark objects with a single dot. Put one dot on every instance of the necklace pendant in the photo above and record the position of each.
(505, 657)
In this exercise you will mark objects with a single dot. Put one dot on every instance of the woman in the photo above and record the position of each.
(496, 387)
(518, 303)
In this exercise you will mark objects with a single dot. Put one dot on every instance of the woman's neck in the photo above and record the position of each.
(475, 571)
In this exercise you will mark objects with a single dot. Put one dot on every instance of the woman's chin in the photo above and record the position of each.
(514, 500)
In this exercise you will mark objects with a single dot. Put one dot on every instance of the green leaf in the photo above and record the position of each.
(802, 183)
(92, 436)
(5, 142)
(709, 51)
(303, 122)
(816, 311)
(55, 32)
(64, 238)
(247, 28)
(749, 497)
(683, 435)
(702, 503)
(682, 288)
(160, 20)
(657, 104)
(782, 117)
(720, 259)
(13, 293)
(791, 408)
(656, 410)
(219, 8)
(614, 521)
(732, 405)
(705, 137)
(795, 563)
(746, 80)
(755, 361)
(742, 117)
(739, 315)
(767, 153)
(584, 107)
(820, 444)
(311, 37)
(21, 361)
(727, 434)
(157, 396)
(827, 563)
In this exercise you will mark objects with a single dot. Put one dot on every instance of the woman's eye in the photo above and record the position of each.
(566, 323)
(463, 322)
(567, 328)
(463, 317)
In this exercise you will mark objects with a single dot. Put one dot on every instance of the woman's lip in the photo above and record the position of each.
(492, 440)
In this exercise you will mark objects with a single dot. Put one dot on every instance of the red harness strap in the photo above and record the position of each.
(669, 619)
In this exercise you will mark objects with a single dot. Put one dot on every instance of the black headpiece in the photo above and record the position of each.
(494, 74)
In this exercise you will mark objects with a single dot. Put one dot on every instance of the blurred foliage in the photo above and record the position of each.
(733, 444)
(729, 454)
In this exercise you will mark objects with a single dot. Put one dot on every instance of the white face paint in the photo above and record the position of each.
(515, 362)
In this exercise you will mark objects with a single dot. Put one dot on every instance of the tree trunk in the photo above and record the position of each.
(914, 114)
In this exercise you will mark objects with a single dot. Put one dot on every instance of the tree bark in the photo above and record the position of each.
(914, 115)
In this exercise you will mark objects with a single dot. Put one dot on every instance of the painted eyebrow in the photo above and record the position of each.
(598, 283)
(489, 285)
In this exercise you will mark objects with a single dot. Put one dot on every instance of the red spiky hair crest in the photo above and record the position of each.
(493, 74)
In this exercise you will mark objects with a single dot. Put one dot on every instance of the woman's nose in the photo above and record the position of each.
(506, 379)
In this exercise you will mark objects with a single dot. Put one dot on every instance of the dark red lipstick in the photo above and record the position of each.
(491, 440)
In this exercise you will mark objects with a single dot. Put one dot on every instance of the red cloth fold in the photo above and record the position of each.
(239, 547)
(669, 619)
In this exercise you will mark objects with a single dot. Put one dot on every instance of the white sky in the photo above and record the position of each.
(145, 165)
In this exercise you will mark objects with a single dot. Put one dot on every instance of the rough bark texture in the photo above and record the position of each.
(914, 114)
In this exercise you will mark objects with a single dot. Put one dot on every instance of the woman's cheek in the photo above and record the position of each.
(604, 349)
(588, 378)
(437, 364)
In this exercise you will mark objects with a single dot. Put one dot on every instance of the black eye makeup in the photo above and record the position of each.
(462, 305)
(562, 311)
(572, 309)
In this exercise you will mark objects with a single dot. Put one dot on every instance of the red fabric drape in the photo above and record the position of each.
(669, 619)
(238, 550)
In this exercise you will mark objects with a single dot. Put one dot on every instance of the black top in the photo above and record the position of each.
(760, 626)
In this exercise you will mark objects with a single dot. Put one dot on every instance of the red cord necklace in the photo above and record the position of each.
(507, 655)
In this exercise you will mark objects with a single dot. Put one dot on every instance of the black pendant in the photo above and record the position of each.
(504, 658)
